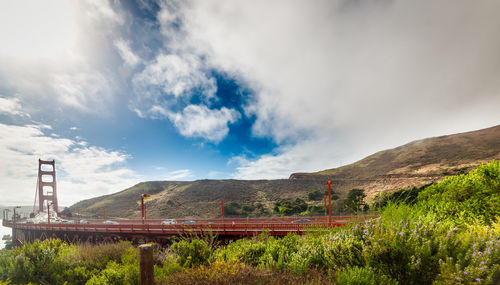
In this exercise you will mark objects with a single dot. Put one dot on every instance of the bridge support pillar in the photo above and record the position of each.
(47, 190)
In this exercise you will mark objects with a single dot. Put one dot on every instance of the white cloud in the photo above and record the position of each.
(213, 174)
(166, 85)
(173, 76)
(11, 106)
(200, 121)
(59, 52)
(85, 90)
(181, 174)
(73, 128)
(169, 82)
(102, 11)
(375, 73)
(34, 29)
(126, 52)
(82, 171)
(309, 155)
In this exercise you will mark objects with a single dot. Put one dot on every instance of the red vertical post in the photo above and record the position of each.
(329, 202)
(142, 208)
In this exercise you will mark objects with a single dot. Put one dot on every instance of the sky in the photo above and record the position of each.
(119, 92)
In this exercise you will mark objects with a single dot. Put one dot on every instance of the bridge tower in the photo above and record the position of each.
(47, 190)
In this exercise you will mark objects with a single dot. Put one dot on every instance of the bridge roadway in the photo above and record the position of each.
(152, 230)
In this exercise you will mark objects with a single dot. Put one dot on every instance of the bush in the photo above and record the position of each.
(355, 201)
(288, 207)
(232, 209)
(38, 262)
(363, 276)
(471, 256)
(466, 198)
(407, 251)
(168, 267)
(55, 262)
(315, 210)
(279, 252)
(194, 252)
(405, 196)
(96, 256)
(244, 250)
(314, 195)
(126, 273)
(222, 272)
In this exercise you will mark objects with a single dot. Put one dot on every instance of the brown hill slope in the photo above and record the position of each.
(414, 164)
(419, 162)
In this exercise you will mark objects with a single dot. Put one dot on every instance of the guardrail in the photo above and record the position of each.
(237, 226)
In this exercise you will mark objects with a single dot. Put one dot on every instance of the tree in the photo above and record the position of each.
(288, 207)
(232, 209)
(334, 195)
(314, 195)
(8, 241)
(355, 201)
(66, 212)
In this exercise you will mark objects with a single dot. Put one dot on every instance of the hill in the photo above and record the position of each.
(412, 165)
(417, 163)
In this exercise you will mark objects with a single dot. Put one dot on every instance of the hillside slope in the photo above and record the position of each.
(414, 164)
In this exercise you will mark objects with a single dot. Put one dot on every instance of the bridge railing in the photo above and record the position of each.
(226, 226)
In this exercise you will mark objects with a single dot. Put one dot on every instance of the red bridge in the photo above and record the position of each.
(153, 231)
(158, 231)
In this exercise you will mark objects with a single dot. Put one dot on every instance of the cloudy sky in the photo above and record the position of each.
(119, 92)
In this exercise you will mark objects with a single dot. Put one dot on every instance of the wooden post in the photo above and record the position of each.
(146, 264)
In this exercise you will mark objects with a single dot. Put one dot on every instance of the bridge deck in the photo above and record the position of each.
(154, 230)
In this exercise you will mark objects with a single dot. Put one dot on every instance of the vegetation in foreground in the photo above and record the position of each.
(449, 234)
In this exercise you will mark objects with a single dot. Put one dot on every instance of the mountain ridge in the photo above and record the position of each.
(414, 164)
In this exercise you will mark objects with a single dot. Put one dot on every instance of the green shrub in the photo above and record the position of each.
(471, 256)
(278, 254)
(363, 276)
(79, 274)
(355, 201)
(290, 207)
(38, 262)
(407, 251)
(55, 262)
(466, 198)
(222, 272)
(168, 267)
(124, 273)
(342, 248)
(194, 252)
(405, 196)
(248, 251)
(96, 256)
(314, 195)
